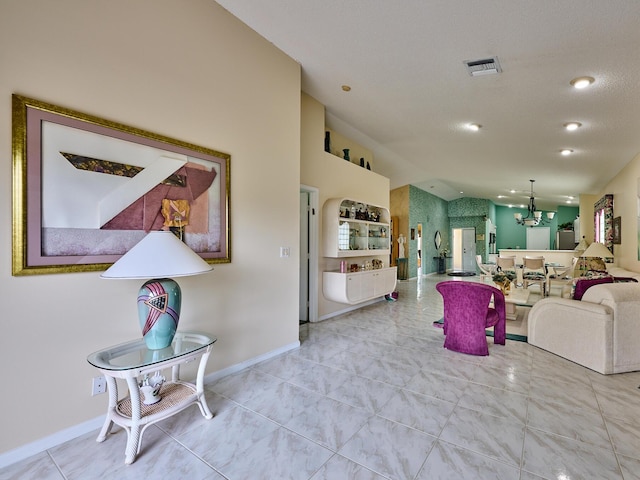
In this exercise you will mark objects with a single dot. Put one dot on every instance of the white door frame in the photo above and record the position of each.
(313, 250)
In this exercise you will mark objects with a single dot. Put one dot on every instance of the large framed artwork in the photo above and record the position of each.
(85, 190)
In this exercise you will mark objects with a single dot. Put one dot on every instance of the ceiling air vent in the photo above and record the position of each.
(487, 66)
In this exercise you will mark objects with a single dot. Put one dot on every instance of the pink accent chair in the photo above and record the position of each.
(467, 314)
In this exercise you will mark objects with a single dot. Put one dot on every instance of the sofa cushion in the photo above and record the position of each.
(581, 285)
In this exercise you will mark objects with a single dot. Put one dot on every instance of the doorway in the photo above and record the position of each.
(464, 250)
(308, 284)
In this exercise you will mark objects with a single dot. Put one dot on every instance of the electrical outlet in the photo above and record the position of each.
(99, 385)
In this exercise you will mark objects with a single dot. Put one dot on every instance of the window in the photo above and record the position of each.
(603, 221)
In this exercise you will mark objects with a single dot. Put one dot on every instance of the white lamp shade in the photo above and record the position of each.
(159, 254)
(537, 214)
(550, 215)
(597, 249)
(517, 216)
(531, 222)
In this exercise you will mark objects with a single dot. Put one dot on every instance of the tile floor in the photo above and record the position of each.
(373, 395)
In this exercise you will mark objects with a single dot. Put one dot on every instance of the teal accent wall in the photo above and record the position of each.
(511, 235)
(472, 213)
(432, 213)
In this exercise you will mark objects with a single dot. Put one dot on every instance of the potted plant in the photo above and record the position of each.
(503, 280)
(565, 226)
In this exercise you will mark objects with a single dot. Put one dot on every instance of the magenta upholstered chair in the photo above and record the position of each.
(467, 314)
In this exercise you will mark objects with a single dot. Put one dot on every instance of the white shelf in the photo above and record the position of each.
(355, 229)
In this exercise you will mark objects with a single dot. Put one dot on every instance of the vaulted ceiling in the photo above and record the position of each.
(412, 98)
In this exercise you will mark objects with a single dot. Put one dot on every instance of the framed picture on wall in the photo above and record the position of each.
(617, 231)
(86, 190)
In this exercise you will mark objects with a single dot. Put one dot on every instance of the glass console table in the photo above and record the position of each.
(131, 360)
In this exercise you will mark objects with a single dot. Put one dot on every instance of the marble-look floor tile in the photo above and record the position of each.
(630, 467)
(619, 403)
(39, 466)
(284, 366)
(159, 457)
(191, 417)
(571, 394)
(360, 392)
(283, 402)
(341, 468)
(495, 437)
(446, 462)
(319, 352)
(552, 456)
(222, 439)
(424, 413)
(513, 379)
(625, 436)
(584, 425)
(320, 378)
(453, 365)
(244, 385)
(279, 455)
(389, 448)
(438, 386)
(495, 401)
(329, 423)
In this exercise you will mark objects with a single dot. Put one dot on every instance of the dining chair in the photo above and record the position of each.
(486, 269)
(467, 315)
(562, 276)
(534, 272)
(506, 263)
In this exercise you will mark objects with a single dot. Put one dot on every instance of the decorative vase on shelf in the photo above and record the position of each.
(346, 154)
(368, 166)
(362, 162)
(327, 142)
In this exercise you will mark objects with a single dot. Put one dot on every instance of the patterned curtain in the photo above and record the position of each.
(605, 204)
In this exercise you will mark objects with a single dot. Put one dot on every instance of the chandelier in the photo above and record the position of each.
(534, 217)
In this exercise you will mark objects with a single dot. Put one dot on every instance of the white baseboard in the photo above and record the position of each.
(21, 453)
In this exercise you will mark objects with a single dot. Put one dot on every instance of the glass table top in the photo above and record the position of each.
(135, 354)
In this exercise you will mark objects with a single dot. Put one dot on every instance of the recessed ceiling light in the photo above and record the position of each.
(568, 201)
(475, 126)
(571, 126)
(566, 151)
(512, 191)
(501, 196)
(346, 88)
(582, 82)
(510, 206)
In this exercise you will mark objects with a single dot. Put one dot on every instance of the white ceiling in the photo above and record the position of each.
(411, 95)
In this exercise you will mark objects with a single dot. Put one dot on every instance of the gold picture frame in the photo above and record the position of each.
(86, 189)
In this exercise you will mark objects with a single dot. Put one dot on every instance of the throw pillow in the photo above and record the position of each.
(581, 285)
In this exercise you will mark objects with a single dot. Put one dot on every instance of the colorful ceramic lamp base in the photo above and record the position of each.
(159, 303)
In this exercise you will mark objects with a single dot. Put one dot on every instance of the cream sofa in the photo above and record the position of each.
(600, 332)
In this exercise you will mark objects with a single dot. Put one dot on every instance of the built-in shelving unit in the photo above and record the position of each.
(358, 287)
(355, 229)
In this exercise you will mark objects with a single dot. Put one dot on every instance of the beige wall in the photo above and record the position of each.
(188, 70)
(334, 177)
(624, 188)
(400, 210)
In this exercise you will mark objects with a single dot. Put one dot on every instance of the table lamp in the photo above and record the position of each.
(597, 249)
(159, 255)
